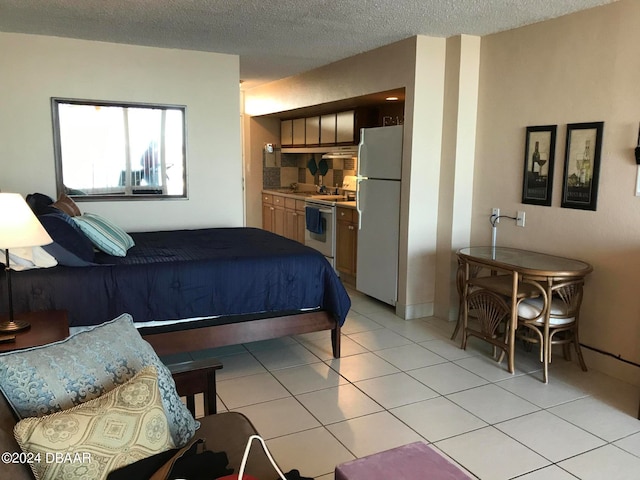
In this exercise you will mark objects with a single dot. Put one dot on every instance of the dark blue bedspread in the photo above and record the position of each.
(184, 274)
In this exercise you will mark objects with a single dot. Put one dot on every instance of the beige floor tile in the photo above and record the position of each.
(315, 453)
(395, 390)
(379, 339)
(284, 357)
(492, 404)
(630, 444)
(308, 378)
(373, 433)
(543, 395)
(336, 404)
(438, 418)
(322, 348)
(491, 455)
(598, 418)
(410, 357)
(608, 462)
(240, 365)
(361, 367)
(279, 417)
(446, 378)
(239, 392)
(550, 436)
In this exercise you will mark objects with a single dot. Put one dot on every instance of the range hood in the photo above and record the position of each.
(347, 151)
(344, 152)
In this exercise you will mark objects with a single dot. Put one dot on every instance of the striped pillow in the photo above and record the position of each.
(104, 234)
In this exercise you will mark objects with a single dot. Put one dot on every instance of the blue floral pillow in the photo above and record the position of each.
(43, 380)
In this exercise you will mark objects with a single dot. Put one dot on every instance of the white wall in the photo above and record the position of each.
(583, 67)
(35, 68)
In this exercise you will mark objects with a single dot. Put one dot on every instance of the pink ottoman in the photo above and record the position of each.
(415, 461)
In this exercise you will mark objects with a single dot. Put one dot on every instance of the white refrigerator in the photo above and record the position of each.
(378, 204)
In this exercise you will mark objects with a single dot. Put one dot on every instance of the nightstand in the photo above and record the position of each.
(46, 327)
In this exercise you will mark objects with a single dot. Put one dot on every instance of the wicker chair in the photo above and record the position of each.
(562, 325)
(493, 315)
(474, 270)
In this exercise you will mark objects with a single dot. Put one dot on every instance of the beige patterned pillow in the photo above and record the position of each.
(89, 440)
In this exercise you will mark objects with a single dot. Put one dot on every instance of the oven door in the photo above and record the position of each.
(325, 241)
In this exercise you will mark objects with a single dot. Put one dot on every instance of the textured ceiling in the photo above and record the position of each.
(275, 38)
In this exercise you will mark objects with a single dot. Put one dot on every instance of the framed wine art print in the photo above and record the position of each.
(582, 165)
(539, 153)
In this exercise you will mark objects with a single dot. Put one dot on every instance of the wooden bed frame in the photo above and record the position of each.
(200, 338)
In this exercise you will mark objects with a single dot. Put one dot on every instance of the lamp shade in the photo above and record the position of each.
(19, 227)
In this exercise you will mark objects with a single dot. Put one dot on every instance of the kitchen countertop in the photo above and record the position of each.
(289, 193)
(303, 196)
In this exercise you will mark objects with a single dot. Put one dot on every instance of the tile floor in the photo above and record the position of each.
(402, 381)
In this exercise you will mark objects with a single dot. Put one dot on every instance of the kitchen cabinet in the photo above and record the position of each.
(283, 215)
(312, 131)
(299, 131)
(328, 129)
(347, 243)
(267, 212)
(342, 128)
(294, 219)
(278, 214)
(345, 127)
(273, 213)
(286, 132)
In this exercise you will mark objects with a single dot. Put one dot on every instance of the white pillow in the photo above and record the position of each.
(26, 258)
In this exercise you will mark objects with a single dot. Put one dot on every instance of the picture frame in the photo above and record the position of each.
(539, 156)
(582, 165)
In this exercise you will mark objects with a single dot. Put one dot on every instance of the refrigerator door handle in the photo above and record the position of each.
(358, 171)
(359, 179)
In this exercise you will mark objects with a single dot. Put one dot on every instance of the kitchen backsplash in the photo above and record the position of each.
(293, 169)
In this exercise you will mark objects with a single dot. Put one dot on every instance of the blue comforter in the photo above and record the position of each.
(187, 273)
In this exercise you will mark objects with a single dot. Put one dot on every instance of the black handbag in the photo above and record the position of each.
(191, 462)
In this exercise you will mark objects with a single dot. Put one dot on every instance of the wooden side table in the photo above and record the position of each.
(47, 326)
(197, 376)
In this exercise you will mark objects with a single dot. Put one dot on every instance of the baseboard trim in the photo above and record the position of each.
(410, 312)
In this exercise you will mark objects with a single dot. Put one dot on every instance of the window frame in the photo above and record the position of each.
(57, 144)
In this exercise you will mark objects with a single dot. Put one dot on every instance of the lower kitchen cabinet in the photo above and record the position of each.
(284, 216)
(347, 243)
(294, 219)
(273, 219)
(267, 212)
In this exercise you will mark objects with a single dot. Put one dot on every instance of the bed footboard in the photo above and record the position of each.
(190, 340)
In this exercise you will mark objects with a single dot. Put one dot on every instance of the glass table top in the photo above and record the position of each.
(526, 261)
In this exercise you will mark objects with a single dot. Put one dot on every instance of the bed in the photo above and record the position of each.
(193, 289)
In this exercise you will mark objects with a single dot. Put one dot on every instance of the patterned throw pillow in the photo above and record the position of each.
(104, 234)
(88, 441)
(42, 380)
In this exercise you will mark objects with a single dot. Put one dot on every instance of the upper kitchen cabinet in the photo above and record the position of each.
(342, 128)
(328, 129)
(286, 132)
(312, 131)
(345, 127)
(299, 131)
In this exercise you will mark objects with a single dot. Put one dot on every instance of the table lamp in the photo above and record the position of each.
(19, 227)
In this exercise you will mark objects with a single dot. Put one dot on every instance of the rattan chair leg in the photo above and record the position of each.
(458, 322)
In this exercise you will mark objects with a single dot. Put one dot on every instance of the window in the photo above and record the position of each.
(119, 150)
